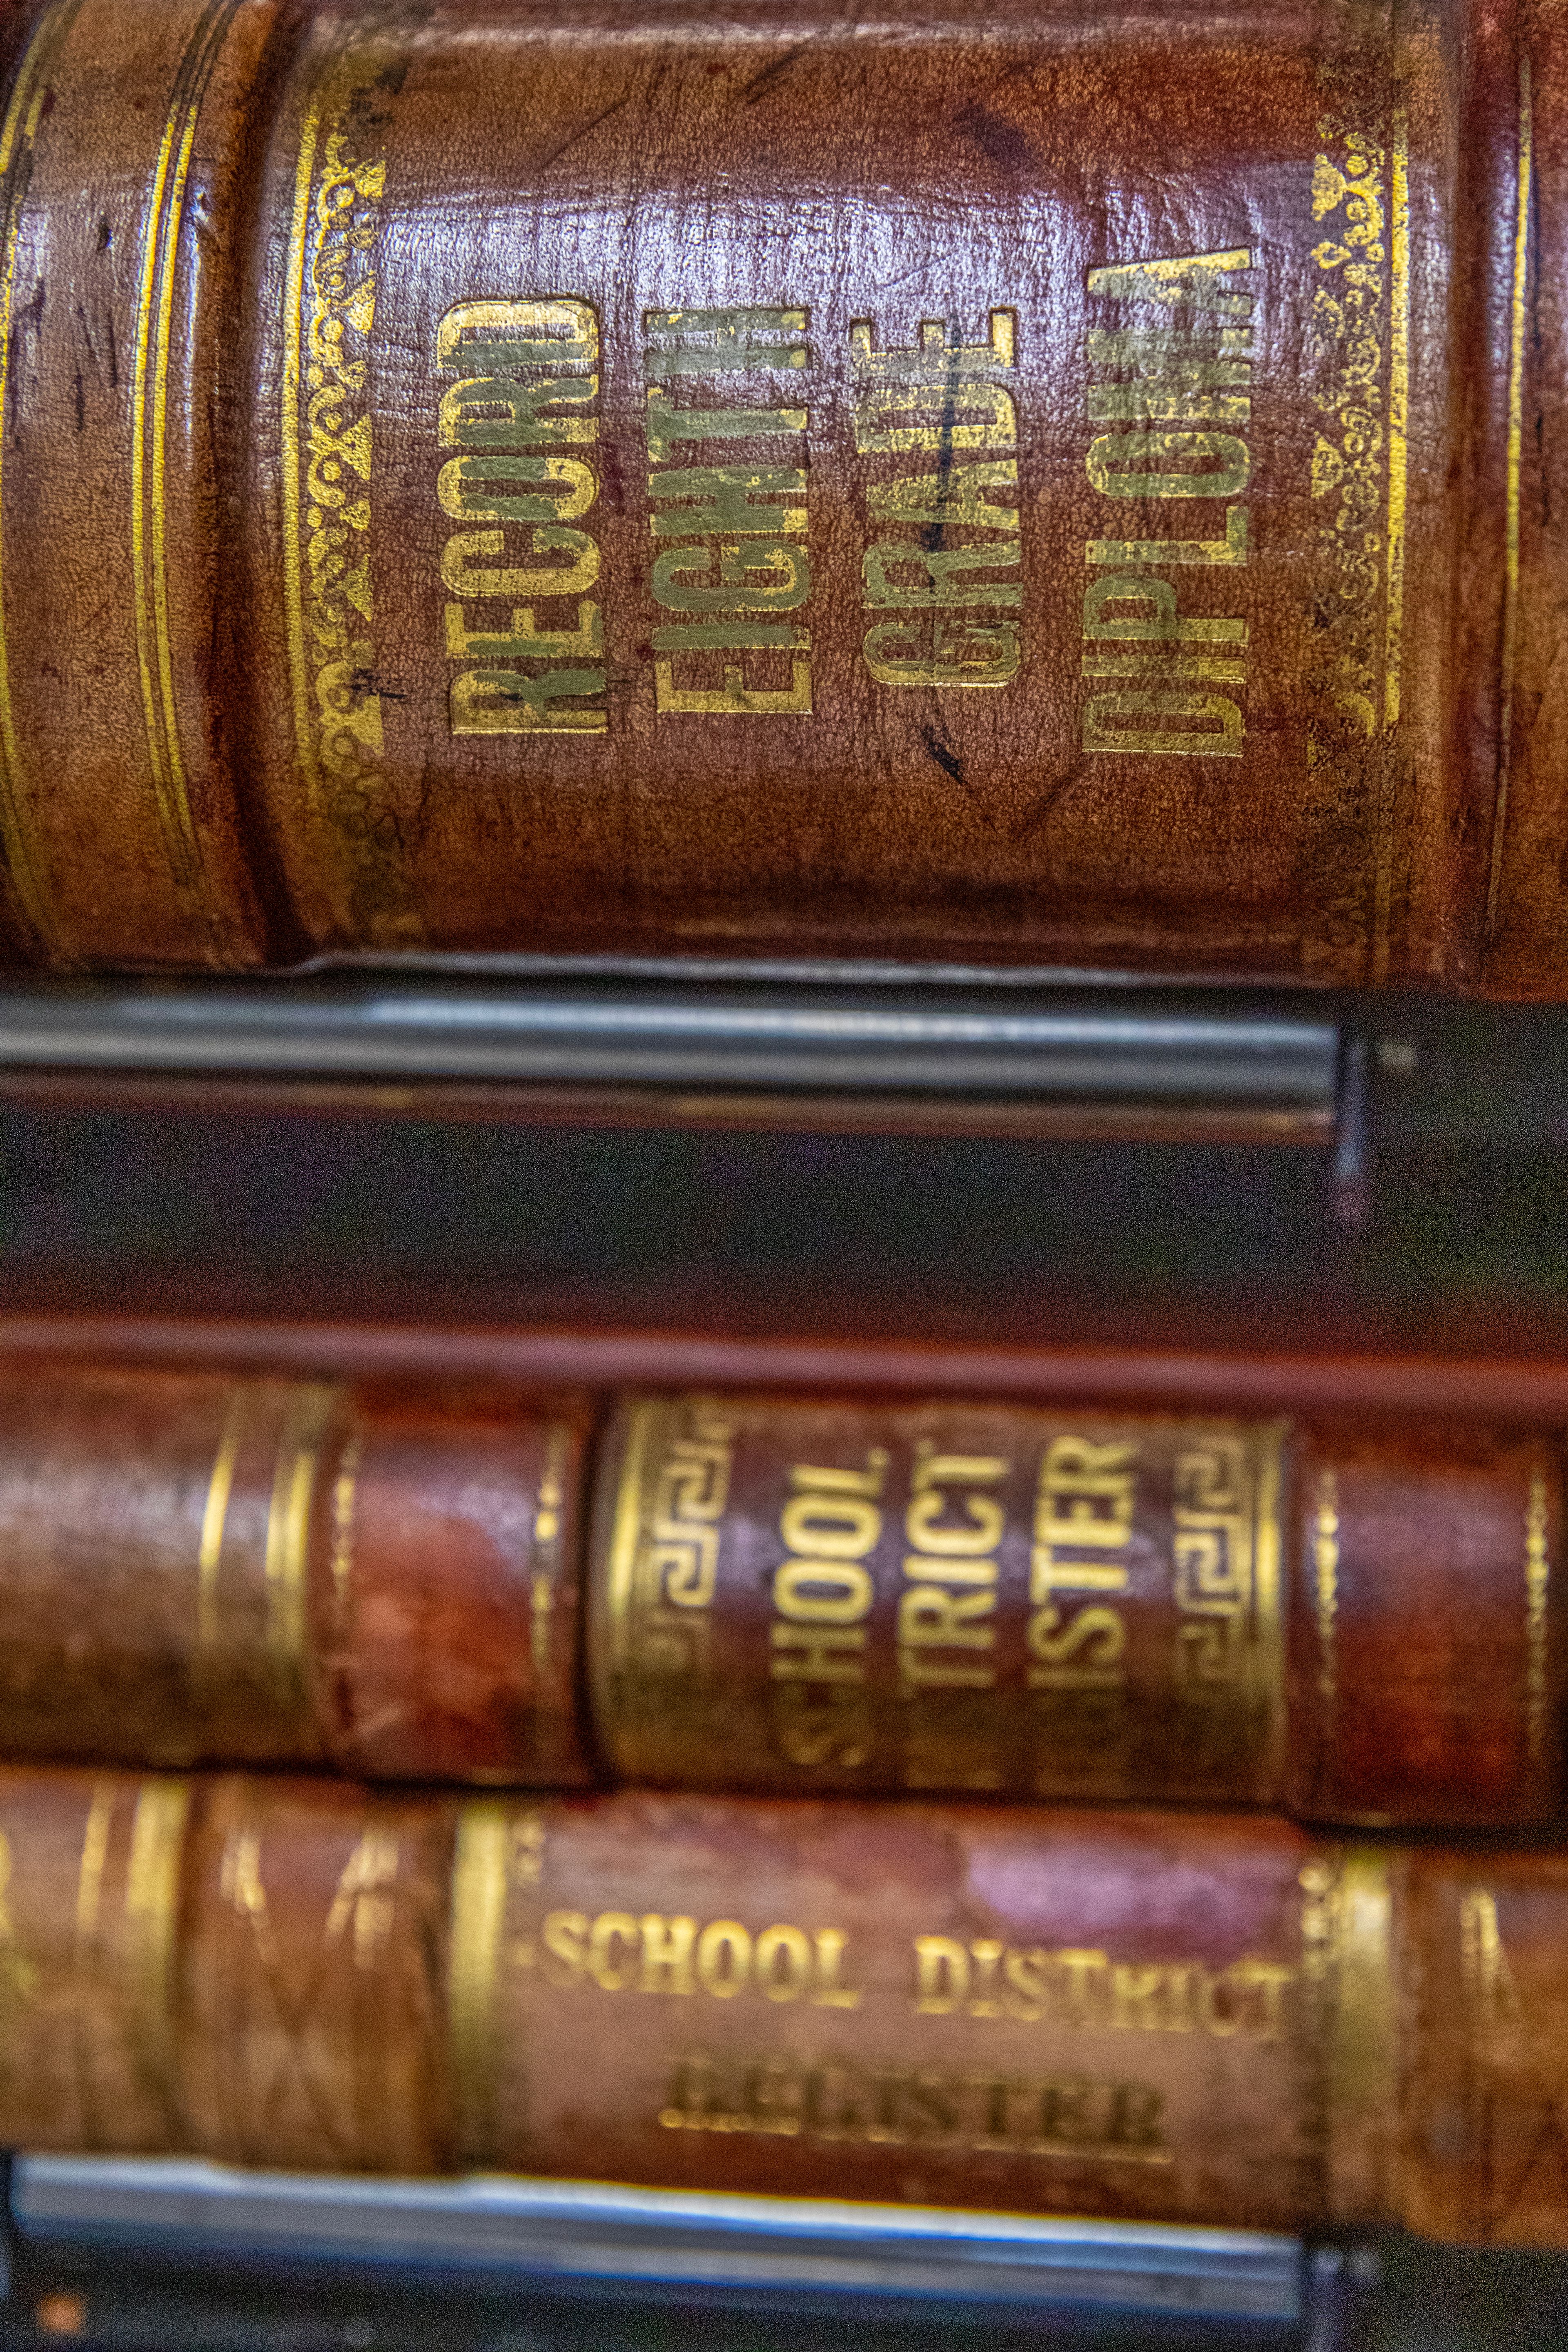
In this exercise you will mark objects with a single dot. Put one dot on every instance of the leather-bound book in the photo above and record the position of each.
(788, 1595)
(197, 1568)
(1197, 2018)
(1359, 1623)
(1033, 482)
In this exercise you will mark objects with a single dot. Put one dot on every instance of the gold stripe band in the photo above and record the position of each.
(478, 1921)
(1524, 171)
(150, 411)
(1268, 1605)
(152, 1876)
(214, 1517)
(289, 422)
(625, 1530)
(288, 1553)
(30, 878)
(1347, 1957)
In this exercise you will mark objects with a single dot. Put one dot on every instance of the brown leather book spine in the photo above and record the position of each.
(799, 1596)
(201, 1568)
(1167, 2016)
(995, 535)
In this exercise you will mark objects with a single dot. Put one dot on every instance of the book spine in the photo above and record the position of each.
(267, 1572)
(801, 1596)
(1053, 580)
(1162, 2017)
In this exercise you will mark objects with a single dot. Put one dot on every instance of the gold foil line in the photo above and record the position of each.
(1537, 1577)
(626, 1531)
(1268, 1639)
(1326, 1586)
(1398, 410)
(1363, 2057)
(1515, 448)
(30, 879)
(214, 1516)
(478, 1921)
(152, 1915)
(149, 410)
(94, 1852)
(288, 436)
(287, 1558)
(547, 1536)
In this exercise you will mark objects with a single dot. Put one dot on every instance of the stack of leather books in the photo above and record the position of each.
(948, 572)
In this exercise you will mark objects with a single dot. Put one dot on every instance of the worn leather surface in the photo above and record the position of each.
(1159, 2016)
(198, 1569)
(792, 1594)
(237, 230)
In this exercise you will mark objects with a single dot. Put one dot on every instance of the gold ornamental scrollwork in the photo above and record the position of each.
(328, 452)
(1357, 341)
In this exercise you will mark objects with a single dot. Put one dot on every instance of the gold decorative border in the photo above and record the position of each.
(30, 880)
(326, 430)
(150, 415)
(1524, 176)
(1360, 316)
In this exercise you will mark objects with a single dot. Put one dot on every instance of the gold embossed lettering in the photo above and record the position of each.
(1166, 388)
(529, 370)
(746, 521)
(942, 542)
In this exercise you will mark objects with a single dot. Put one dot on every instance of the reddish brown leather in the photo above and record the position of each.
(1360, 1623)
(257, 1571)
(1203, 2018)
(230, 735)
(1427, 1673)
(932, 1649)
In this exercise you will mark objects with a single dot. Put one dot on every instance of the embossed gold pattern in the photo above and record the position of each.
(1226, 1587)
(31, 881)
(1359, 337)
(663, 1564)
(149, 422)
(327, 451)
